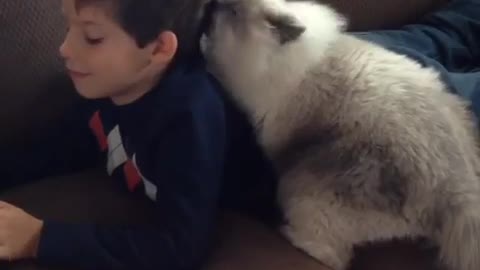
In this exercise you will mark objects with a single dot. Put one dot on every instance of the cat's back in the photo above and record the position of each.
(378, 99)
(373, 70)
(368, 84)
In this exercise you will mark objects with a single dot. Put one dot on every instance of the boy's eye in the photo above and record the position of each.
(93, 41)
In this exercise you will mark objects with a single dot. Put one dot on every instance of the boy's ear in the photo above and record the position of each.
(284, 26)
(164, 48)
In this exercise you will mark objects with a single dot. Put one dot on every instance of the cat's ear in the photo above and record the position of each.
(284, 26)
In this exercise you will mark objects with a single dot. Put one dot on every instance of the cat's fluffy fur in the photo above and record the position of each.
(369, 145)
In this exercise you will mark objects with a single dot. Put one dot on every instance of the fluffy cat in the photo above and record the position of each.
(368, 144)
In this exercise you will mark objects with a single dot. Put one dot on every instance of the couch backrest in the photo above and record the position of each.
(31, 31)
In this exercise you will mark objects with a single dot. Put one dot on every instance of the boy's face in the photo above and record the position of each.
(101, 58)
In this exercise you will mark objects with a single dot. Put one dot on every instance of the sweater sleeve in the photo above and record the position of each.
(185, 164)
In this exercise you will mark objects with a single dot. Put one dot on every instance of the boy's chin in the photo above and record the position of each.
(90, 93)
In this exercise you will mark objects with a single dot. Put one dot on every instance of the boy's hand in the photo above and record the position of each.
(19, 233)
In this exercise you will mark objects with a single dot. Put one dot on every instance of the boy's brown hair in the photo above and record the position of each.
(144, 20)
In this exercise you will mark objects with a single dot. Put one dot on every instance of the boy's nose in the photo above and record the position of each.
(64, 50)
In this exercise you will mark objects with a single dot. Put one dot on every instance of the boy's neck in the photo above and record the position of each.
(135, 92)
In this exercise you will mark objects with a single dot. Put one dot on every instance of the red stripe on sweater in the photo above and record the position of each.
(98, 130)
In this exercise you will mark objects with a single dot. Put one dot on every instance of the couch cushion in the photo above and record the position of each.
(242, 243)
(93, 197)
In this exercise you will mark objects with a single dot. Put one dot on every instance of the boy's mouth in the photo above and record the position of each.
(77, 74)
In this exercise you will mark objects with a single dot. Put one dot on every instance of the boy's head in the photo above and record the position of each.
(120, 48)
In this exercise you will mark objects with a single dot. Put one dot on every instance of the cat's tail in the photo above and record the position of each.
(459, 237)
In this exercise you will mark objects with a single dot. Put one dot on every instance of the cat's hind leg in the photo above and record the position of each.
(326, 228)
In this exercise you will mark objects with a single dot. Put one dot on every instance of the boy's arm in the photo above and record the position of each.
(187, 163)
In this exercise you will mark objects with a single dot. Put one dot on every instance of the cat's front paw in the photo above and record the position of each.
(336, 256)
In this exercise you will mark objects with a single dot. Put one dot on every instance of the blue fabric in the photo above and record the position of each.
(447, 40)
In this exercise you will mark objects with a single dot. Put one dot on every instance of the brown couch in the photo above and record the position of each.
(30, 32)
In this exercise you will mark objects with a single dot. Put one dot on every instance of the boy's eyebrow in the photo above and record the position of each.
(89, 22)
(85, 22)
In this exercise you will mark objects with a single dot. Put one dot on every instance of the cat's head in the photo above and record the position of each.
(255, 19)
(253, 36)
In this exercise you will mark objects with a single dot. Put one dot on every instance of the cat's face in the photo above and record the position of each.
(243, 34)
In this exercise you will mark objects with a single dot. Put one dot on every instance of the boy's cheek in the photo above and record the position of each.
(91, 88)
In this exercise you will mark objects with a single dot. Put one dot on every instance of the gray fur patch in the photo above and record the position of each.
(286, 28)
(365, 174)
(304, 143)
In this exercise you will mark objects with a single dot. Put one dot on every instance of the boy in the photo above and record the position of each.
(158, 118)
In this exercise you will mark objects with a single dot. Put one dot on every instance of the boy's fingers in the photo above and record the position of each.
(4, 211)
(5, 253)
(4, 204)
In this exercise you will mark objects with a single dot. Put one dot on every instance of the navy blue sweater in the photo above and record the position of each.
(184, 145)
